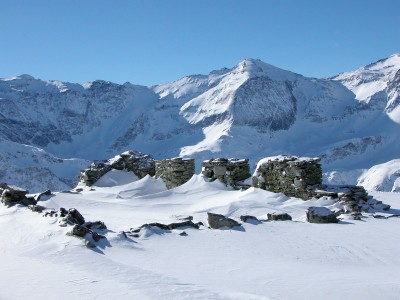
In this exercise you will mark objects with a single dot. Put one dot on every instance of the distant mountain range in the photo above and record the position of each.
(51, 129)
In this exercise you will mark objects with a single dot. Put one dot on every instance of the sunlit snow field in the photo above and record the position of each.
(271, 260)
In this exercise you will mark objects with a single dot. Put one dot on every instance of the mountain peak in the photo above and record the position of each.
(257, 68)
(371, 79)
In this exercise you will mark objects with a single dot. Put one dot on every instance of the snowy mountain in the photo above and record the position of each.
(252, 110)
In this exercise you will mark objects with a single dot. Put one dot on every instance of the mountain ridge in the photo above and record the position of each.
(251, 110)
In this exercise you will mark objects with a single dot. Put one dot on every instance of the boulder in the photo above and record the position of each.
(79, 231)
(216, 221)
(74, 217)
(321, 215)
(279, 217)
(11, 195)
(96, 225)
(249, 219)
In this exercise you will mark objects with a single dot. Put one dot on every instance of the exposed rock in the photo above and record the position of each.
(321, 215)
(27, 201)
(175, 171)
(96, 225)
(229, 171)
(37, 208)
(279, 217)
(79, 230)
(184, 218)
(217, 221)
(63, 212)
(11, 195)
(183, 233)
(41, 196)
(291, 175)
(97, 237)
(139, 163)
(74, 217)
(249, 219)
(89, 244)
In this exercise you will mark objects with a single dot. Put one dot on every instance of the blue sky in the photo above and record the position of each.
(150, 42)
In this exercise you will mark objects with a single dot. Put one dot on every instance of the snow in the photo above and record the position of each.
(348, 260)
(116, 177)
(369, 80)
(383, 177)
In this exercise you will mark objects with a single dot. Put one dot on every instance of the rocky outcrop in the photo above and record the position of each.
(136, 162)
(175, 171)
(291, 175)
(249, 219)
(11, 195)
(216, 221)
(279, 217)
(229, 171)
(321, 215)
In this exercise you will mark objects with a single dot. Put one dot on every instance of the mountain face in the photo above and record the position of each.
(252, 110)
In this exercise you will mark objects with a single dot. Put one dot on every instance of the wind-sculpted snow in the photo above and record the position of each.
(252, 110)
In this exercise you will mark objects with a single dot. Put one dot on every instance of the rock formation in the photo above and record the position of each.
(137, 162)
(291, 175)
(175, 171)
(229, 171)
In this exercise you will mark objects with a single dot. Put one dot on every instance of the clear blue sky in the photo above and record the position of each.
(150, 42)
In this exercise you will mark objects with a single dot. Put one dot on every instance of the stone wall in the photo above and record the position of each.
(229, 171)
(175, 171)
(291, 175)
(139, 163)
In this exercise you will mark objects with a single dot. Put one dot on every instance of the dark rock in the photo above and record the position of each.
(132, 161)
(230, 171)
(63, 212)
(37, 208)
(279, 217)
(320, 215)
(185, 218)
(11, 195)
(51, 213)
(183, 233)
(175, 171)
(291, 175)
(75, 217)
(96, 225)
(40, 196)
(89, 244)
(249, 219)
(79, 230)
(183, 224)
(97, 237)
(28, 201)
(216, 221)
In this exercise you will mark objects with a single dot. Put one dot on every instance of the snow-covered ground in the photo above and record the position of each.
(271, 260)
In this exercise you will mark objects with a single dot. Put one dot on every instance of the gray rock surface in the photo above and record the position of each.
(175, 171)
(321, 215)
(217, 221)
(279, 217)
(229, 171)
(11, 195)
(291, 175)
(136, 162)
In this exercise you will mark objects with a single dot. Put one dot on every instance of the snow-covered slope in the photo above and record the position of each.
(377, 84)
(252, 110)
(260, 260)
(383, 177)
